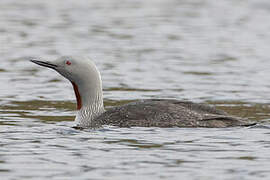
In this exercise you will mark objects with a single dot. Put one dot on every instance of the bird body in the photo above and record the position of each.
(87, 85)
(168, 113)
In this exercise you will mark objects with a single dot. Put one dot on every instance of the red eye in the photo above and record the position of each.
(68, 63)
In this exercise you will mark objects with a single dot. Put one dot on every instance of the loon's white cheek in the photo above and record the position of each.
(65, 73)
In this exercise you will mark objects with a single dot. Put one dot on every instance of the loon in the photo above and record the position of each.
(86, 81)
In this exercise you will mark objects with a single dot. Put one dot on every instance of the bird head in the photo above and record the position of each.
(83, 75)
(75, 69)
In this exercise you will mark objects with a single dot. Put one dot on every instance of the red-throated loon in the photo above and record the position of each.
(87, 84)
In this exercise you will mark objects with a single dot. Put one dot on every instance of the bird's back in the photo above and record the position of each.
(168, 113)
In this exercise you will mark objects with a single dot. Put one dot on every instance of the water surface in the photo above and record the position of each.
(215, 52)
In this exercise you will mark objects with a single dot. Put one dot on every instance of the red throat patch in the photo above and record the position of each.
(78, 96)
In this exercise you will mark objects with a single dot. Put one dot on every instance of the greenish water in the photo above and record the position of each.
(215, 52)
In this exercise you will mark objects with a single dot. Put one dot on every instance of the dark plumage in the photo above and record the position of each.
(168, 113)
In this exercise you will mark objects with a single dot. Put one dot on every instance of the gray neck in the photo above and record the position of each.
(91, 101)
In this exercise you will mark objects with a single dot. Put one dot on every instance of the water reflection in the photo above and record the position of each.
(48, 110)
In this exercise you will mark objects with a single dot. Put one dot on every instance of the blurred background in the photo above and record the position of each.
(214, 52)
(184, 49)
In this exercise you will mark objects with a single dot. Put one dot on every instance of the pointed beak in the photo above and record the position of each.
(44, 63)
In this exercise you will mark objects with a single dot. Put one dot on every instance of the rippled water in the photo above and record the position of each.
(215, 52)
